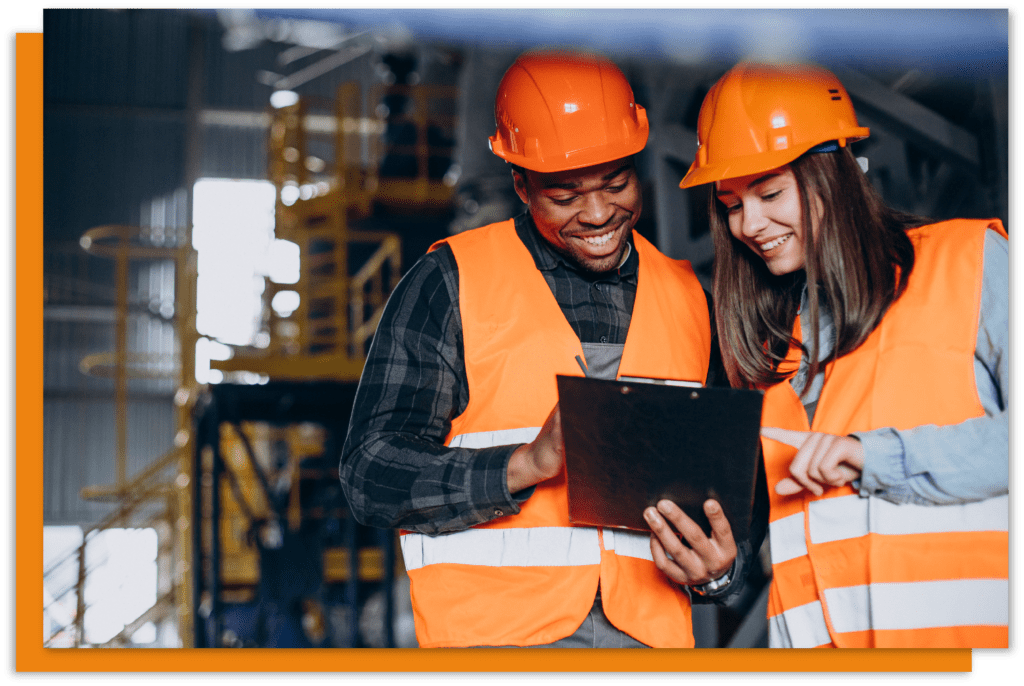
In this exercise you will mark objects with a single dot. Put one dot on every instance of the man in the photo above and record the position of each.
(455, 434)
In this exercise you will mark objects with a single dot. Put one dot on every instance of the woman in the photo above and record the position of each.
(880, 339)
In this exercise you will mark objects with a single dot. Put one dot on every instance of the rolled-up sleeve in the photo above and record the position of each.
(961, 462)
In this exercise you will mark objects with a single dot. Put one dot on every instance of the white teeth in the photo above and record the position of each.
(765, 247)
(599, 240)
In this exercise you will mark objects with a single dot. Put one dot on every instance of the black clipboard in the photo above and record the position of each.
(628, 444)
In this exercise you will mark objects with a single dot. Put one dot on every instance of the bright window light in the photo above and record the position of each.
(289, 194)
(120, 586)
(60, 599)
(280, 99)
(233, 234)
(283, 262)
(285, 302)
(206, 350)
(233, 226)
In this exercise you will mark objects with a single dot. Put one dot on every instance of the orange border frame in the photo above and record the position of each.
(30, 656)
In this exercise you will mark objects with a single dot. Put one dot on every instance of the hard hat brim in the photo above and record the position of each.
(751, 164)
(570, 163)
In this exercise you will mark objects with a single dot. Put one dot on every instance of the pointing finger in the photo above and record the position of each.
(803, 459)
(791, 438)
(788, 486)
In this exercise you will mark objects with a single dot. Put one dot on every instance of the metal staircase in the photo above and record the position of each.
(158, 493)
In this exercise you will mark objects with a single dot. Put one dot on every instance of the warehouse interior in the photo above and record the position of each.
(231, 195)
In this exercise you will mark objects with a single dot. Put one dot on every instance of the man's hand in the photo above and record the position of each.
(540, 460)
(822, 460)
(706, 558)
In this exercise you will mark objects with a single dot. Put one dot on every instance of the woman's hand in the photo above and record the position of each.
(706, 558)
(822, 460)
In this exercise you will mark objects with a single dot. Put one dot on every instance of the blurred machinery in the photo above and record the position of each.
(263, 550)
(280, 562)
(289, 567)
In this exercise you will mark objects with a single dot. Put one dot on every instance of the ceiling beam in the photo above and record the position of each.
(910, 120)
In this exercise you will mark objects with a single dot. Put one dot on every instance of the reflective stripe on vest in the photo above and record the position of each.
(489, 439)
(800, 627)
(909, 605)
(536, 547)
(553, 546)
(848, 516)
(919, 605)
(512, 547)
(787, 538)
(893, 607)
(628, 543)
(887, 575)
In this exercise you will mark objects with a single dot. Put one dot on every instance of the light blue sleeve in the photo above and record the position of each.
(942, 465)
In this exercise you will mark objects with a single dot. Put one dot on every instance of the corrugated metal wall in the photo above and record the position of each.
(115, 57)
(116, 123)
(114, 84)
(80, 446)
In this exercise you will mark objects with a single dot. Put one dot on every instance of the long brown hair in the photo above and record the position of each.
(858, 261)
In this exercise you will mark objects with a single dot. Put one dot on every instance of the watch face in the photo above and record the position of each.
(714, 584)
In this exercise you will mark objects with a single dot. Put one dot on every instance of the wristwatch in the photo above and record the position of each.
(714, 585)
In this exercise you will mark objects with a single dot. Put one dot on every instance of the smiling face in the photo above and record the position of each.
(764, 213)
(585, 214)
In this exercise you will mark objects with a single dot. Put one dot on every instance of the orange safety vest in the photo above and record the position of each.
(531, 578)
(860, 572)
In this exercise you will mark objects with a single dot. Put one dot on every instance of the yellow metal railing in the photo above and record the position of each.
(149, 485)
(156, 481)
(427, 114)
(371, 286)
(327, 335)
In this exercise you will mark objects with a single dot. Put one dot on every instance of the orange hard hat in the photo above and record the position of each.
(557, 111)
(758, 117)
